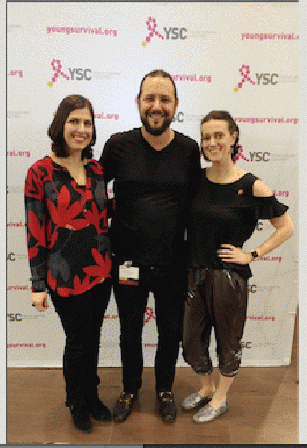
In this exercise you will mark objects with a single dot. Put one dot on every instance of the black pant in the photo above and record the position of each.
(82, 318)
(168, 285)
(217, 299)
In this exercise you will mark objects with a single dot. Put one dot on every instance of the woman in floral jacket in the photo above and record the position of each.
(69, 249)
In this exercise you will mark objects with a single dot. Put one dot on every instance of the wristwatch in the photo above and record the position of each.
(254, 254)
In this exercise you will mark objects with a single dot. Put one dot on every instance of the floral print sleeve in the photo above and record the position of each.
(36, 228)
(68, 245)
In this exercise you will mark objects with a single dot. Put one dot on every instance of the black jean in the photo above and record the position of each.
(217, 299)
(81, 317)
(168, 285)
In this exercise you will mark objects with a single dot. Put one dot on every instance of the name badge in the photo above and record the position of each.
(128, 275)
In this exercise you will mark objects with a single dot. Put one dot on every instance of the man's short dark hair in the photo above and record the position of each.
(158, 73)
(55, 130)
(232, 127)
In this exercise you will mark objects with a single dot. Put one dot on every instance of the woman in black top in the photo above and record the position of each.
(224, 215)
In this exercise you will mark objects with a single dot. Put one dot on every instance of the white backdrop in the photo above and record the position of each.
(242, 57)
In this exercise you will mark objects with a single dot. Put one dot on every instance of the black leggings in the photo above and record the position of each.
(216, 299)
(82, 318)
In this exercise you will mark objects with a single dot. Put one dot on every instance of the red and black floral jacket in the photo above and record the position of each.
(67, 225)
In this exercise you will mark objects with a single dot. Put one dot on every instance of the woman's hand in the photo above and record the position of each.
(39, 300)
(232, 254)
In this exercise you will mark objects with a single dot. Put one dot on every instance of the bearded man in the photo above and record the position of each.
(156, 174)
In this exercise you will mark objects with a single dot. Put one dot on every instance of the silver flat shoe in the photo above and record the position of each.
(194, 400)
(208, 413)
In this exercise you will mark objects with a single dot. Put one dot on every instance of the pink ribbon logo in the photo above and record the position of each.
(240, 155)
(57, 68)
(245, 71)
(149, 313)
(151, 26)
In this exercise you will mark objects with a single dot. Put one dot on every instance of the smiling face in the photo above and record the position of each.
(157, 104)
(78, 130)
(217, 140)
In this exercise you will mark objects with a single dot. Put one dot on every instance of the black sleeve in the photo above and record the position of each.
(106, 160)
(266, 207)
(196, 174)
(269, 207)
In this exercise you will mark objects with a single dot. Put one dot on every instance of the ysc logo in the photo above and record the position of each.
(14, 317)
(179, 117)
(170, 32)
(257, 156)
(261, 78)
(76, 74)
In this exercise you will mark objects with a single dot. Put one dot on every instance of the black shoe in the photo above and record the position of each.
(81, 418)
(168, 408)
(123, 406)
(99, 411)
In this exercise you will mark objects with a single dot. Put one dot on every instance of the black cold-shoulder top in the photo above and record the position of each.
(226, 214)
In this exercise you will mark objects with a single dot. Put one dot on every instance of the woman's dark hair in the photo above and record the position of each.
(232, 127)
(55, 131)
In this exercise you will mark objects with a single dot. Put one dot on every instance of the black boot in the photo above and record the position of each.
(81, 417)
(98, 410)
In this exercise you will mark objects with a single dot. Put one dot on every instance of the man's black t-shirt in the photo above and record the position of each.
(153, 193)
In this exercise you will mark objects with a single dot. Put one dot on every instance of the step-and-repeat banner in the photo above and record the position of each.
(241, 57)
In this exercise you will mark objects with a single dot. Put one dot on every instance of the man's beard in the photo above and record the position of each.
(156, 131)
